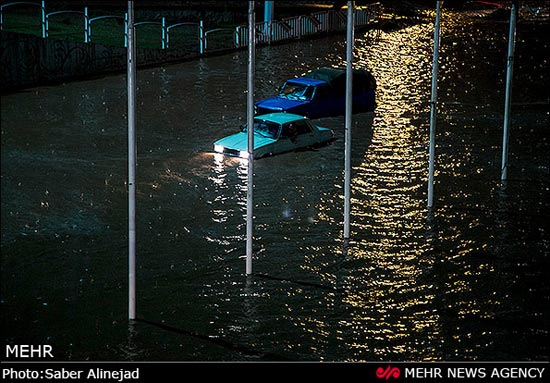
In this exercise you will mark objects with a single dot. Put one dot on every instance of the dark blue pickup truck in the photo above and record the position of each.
(322, 93)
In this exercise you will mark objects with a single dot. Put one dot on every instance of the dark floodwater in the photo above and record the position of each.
(468, 281)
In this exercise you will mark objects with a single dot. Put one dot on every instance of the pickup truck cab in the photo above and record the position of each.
(322, 93)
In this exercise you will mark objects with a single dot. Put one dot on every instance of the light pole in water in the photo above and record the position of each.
(250, 121)
(433, 106)
(131, 67)
(349, 101)
(508, 101)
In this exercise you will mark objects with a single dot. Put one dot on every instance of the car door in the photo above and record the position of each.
(286, 141)
(304, 134)
(324, 103)
(295, 135)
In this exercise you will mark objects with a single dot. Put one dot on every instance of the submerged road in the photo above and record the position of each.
(467, 281)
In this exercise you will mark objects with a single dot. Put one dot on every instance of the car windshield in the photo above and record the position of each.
(264, 128)
(295, 91)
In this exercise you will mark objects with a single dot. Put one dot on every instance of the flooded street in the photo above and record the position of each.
(465, 281)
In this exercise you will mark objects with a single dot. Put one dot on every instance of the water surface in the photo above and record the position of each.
(467, 280)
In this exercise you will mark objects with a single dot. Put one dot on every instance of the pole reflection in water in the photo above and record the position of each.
(467, 281)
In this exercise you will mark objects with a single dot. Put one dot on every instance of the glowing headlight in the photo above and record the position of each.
(243, 154)
(218, 148)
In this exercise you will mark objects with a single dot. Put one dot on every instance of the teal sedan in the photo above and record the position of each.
(275, 133)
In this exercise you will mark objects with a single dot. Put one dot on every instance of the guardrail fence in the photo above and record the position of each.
(221, 38)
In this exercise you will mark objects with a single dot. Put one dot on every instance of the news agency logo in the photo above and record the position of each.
(388, 372)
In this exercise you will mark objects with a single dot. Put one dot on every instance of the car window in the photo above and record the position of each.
(296, 91)
(308, 94)
(286, 131)
(294, 129)
(302, 127)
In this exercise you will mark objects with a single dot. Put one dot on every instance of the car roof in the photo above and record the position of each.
(280, 118)
(337, 77)
(307, 81)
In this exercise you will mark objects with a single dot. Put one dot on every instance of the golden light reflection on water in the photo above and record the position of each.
(394, 302)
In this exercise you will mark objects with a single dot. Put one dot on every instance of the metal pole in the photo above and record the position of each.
(508, 101)
(433, 106)
(250, 122)
(131, 163)
(349, 102)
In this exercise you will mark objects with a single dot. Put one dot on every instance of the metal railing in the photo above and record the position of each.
(266, 32)
(162, 24)
(217, 31)
(200, 32)
(84, 14)
(107, 17)
(42, 6)
(300, 26)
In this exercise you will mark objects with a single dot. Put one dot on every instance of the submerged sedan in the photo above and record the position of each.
(275, 133)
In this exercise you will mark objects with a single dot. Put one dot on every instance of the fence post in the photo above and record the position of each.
(43, 7)
(126, 30)
(86, 26)
(237, 42)
(299, 26)
(268, 19)
(163, 32)
(202, 41)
